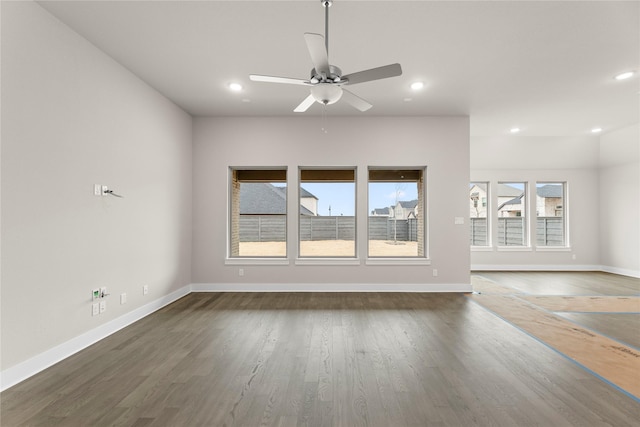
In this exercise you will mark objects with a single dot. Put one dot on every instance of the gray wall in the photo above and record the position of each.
(440, 143)
(601, 174)
(619, 205)
(72, 118)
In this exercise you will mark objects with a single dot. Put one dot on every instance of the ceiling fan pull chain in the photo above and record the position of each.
(324, 118)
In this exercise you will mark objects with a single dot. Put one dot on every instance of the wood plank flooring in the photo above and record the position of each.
(614, 357)
(326, 359)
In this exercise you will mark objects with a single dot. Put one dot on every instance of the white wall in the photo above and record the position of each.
(531, 159)
(72, 118)
(440, 143)
(620, 201)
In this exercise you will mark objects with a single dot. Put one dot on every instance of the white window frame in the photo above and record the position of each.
(565, 218)
(526, 232)
(423, 212)
(232, 259)
(328, 259)
(489, 216)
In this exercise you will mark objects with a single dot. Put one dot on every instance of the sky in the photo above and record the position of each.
(341, 196)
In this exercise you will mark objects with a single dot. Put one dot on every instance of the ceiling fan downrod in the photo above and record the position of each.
(326, 4)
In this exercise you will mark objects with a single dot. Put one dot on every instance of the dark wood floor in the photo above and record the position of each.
(316, 359)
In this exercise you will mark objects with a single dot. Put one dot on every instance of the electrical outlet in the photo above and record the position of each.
(104, 190)
(123, 299)
(435, 273)
(145, 289)
(103, 292)
(97, 190)
(103, 306)
(95, 309)
(241, 272)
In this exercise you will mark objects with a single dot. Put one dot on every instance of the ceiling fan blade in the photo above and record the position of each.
(355, 100)
(384, 72)
(318, 52)
(304, 105)
(272, 79)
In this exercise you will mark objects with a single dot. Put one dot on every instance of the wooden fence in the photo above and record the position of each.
(549, 231)
(272, 228)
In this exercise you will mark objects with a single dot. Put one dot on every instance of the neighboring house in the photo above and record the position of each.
(381, 212)
(267, 199)
(478, 201)
(549, 200)
(309, 201)
(404, 210)
(513, 207)
(510, 200)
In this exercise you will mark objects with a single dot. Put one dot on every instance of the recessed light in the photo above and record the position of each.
(625, 75)
(514, 130)
(417, 85)
(596, 130)
(236, 87)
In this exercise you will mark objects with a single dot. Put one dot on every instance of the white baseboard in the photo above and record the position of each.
(621, 271)
(20, 372)
(529, 267)
(331, 287)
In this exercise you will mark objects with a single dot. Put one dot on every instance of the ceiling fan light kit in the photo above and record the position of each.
(326, 81)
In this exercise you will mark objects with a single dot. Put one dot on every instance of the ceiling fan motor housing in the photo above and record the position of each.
(334, 76)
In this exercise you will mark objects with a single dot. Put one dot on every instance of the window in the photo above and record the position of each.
(258, 213)
(327, 199)
(512, 213)
(550, 217)
(478, 219)
(396, 213)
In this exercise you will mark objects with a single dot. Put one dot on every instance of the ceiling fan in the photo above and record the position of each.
(326, 81)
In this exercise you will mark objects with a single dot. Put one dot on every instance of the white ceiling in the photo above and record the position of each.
(544, 66)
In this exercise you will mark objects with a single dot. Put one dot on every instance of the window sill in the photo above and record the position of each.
(398, 261)
(256, 261)
(327, 261)
(515, 249)
(553, 249)
(481, 248)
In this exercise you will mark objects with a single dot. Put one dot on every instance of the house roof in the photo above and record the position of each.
(550, 190)
(481, 186)
(505, 190)
(304, 193)
(515, 201)
(380, 211)
(265, 199)
(409, 204)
